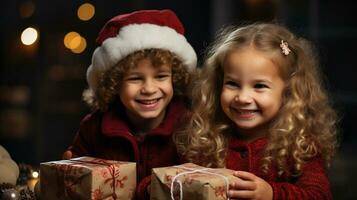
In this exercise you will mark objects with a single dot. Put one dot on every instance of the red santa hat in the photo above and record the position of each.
(145, 29)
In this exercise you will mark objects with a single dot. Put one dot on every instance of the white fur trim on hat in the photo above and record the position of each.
(135, 37)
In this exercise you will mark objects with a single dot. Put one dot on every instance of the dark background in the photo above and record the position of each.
(41, 85)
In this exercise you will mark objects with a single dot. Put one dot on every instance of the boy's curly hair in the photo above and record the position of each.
(305, 126)
(110, 81)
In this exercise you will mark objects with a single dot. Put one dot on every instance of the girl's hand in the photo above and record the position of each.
(249, 186)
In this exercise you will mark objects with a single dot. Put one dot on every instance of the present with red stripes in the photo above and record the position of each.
(87, 178)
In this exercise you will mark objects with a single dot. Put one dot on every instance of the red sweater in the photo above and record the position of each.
(312, 184)
(108, 136)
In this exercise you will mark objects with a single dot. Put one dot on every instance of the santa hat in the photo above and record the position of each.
(145, 29)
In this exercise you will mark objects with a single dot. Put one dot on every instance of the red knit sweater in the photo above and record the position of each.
(108, 135)
(312, 184)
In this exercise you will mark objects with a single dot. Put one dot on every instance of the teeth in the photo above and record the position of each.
(246, 111)
(148, 102)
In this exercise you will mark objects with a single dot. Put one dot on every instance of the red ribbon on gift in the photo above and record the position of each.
(69, 190)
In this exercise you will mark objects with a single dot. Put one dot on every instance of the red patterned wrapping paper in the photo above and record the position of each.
(87, 178)
(197, 182)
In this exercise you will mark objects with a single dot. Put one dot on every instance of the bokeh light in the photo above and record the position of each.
(68, 39)
(27, 9)
(86, 11)
(81, 46)
(75, 42)
(29, 36)
(35, 174)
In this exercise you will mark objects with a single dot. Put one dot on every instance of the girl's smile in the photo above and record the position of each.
(245, 114)
(252, 91)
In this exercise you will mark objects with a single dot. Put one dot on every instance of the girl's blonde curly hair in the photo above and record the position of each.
(305, 125)
(110, 81)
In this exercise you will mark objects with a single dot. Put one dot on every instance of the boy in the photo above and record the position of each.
(137, 85)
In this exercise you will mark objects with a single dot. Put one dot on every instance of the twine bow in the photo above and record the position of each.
(192, 171)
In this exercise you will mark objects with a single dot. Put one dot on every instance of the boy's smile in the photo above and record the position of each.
(148, 104)
(145, 92)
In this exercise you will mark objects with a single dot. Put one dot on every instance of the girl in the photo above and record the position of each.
(261, 109)
(137, 88)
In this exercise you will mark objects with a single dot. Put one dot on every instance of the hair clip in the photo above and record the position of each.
(284, 48)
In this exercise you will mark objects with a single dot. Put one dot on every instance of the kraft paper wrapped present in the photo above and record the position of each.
(87, 178)
(190, 181)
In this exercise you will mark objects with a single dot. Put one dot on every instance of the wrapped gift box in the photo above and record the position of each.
(190, 181)
(87, 178)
